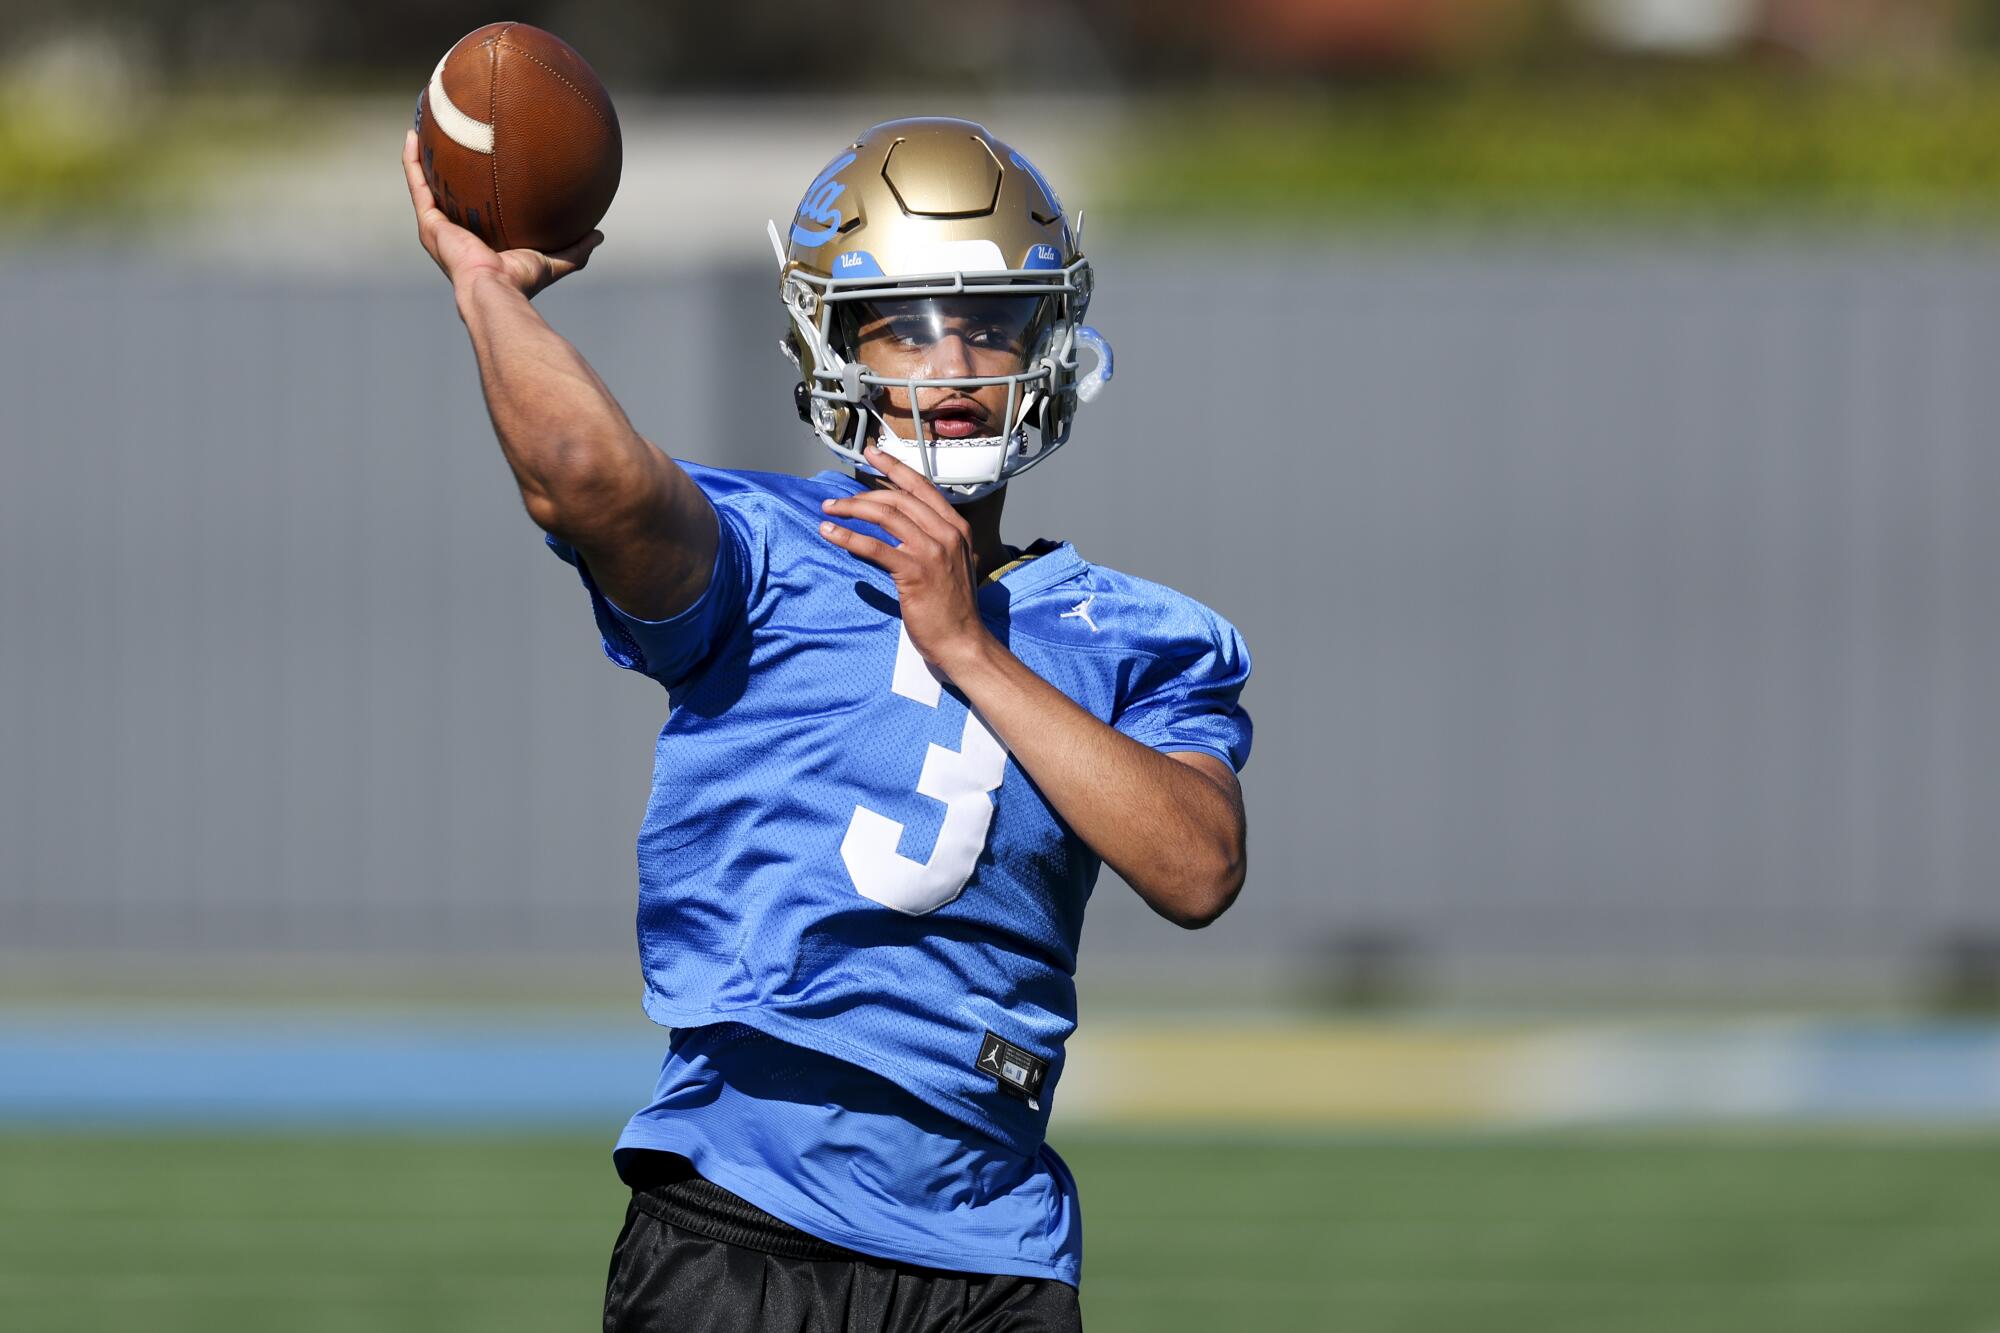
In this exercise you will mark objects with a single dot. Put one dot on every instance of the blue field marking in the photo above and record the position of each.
(322, 1071)
(1940, 1071)
(193, 1069)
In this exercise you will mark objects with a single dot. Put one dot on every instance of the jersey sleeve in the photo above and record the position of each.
(674, 650)
(1187, 697)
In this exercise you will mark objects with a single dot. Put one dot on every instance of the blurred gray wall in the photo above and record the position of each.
(1612, 608)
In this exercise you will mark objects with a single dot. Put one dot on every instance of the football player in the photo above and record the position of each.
(898, 751)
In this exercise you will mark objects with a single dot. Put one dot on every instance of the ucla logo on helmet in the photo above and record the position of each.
(818, 207)
(856, 264)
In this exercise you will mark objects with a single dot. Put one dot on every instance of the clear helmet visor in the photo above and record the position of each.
(966, 333)
(945, 367)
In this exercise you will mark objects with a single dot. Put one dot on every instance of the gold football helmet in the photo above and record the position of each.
(930, 266)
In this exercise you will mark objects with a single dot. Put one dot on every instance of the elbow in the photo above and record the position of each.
(545, 512)
(1206, 877)
(1206, 906)
(1207, 894)
(584, 498)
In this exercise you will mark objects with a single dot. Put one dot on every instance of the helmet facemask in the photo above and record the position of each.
(970, 382)
(949, 379)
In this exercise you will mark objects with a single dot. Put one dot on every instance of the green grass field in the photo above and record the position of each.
(1628, 1233)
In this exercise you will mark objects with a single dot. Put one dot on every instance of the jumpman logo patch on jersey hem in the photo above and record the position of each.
(1012, 1068)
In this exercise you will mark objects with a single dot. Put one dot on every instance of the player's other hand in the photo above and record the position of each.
(461, 254)
(933, 563)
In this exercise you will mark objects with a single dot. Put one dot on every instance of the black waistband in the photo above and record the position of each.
(665, 1186)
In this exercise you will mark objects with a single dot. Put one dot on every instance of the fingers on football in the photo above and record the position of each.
(573, 257)
(413, 176)
(911, 482)
(430, 218)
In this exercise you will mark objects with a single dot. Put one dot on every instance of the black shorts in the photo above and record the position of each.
(694, 1258)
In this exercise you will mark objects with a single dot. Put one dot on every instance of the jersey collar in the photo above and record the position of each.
(1024, 578)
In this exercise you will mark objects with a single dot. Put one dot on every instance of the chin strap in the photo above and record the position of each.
(908, 451)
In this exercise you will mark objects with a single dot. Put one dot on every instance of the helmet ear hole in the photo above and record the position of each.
(1052, 418)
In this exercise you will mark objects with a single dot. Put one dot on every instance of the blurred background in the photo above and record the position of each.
(1576, 403)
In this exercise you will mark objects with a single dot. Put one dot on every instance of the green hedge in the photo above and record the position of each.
(1653, 146)
(1645, 146)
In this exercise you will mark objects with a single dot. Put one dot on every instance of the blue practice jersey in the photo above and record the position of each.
(839, 854)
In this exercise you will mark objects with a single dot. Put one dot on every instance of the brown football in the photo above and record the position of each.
(518, 139)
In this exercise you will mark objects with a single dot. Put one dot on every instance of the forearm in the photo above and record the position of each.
(569, 444)
(644, 529)
(1175, 834)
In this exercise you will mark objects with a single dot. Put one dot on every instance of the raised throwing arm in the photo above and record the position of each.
(586, 476)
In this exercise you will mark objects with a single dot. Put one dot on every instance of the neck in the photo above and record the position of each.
(983, 517)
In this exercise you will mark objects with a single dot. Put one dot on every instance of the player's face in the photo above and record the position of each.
(951, 337)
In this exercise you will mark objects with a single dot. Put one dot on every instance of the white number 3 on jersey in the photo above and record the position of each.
(960, 778)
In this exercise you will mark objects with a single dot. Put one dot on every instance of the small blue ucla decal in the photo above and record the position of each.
(818, 207)
(856, 264)
(1043, 256)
